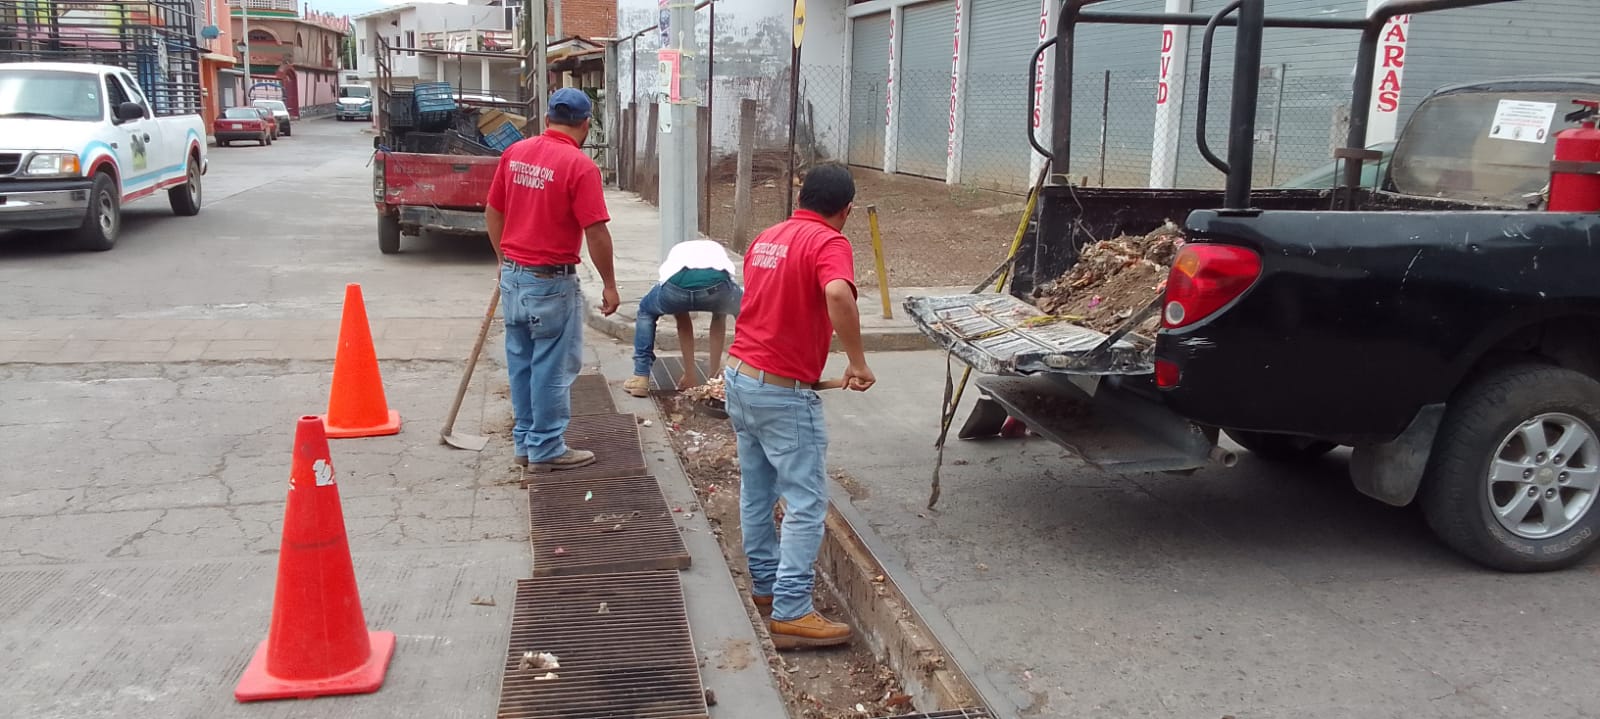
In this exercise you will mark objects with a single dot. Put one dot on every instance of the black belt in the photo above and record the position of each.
(545, 269)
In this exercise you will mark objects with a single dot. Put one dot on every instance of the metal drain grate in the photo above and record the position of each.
(614, 439)
(972, 713)
(603, 525)
(590, 395)
(623, 644)
(666, 372)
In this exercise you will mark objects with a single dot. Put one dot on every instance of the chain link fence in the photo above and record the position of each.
(843, 116)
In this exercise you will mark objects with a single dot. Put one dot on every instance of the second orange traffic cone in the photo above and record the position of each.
(356, 405)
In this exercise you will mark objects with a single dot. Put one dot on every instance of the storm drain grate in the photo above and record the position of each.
(666, 372)
(614, 439)
(973, 713)
(623, 644)
(590, 395)
(603, 525)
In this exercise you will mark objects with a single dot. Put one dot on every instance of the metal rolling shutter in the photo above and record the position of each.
(1317, 82)
(869, 86)
(923, 87)
(1132, 54)
(994, 148)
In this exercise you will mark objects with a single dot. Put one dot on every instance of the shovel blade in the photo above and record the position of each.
(469, 442)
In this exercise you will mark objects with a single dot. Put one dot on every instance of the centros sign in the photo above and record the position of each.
(955, 76)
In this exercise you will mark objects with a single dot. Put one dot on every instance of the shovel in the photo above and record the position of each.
(448, 435)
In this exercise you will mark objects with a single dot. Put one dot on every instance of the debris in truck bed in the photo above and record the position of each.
(1114, 279)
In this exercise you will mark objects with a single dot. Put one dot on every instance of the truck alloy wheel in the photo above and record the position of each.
(1515, 471)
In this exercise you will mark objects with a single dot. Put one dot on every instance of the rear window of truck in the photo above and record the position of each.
(1489, 147)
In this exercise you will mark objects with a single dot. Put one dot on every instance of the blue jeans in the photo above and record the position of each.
(782, 450)
(669, 299)
(544, 353)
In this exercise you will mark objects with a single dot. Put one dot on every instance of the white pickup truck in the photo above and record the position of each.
(79, 141)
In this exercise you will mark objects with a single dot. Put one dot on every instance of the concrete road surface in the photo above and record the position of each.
(148, 397)
(1261, 591)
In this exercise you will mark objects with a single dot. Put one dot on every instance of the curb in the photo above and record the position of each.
(907, 340)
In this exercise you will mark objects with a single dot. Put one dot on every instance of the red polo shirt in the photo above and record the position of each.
(783, 324)
(549, 192)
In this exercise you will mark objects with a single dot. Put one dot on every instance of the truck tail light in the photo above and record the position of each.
(1167, 374)
(377, 177)
(1205, 278)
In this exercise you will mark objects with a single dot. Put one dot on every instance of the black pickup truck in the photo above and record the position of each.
(1441, 324)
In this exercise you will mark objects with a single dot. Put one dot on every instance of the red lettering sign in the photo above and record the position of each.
(1038, 69)
(1166, 40)
(1390, 84)
(955, 72)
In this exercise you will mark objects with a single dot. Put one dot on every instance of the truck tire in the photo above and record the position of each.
(103, 218)
(1515, 472)
(389, 234)
(1281, 447)
(185, 198)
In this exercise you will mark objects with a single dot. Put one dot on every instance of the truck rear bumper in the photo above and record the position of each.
(414, 219)
(57, 208)
(1101, 422)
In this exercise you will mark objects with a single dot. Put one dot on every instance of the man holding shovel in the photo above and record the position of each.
(545, 199)
(799, 291)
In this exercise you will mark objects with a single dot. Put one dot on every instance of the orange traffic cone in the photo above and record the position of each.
(356, 405)
(318, 643)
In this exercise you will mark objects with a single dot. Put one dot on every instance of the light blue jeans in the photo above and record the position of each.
(544, 353)
(782, 448)
(669, 299)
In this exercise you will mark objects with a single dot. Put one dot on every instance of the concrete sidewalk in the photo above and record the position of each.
(635, 230)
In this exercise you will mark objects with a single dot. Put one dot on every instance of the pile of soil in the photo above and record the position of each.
(1112, 280)
(846, 682)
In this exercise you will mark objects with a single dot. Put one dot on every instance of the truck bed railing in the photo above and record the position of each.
(1250, 17)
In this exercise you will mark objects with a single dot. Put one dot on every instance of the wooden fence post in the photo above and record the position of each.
(703, 166)
(743, 185)
(649, 188)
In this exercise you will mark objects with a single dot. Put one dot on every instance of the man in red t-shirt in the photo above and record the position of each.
(546, 198)
(799, 291)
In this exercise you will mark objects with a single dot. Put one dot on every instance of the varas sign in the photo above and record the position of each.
(1392, 63)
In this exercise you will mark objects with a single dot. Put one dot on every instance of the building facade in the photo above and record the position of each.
(295, 54)
(939, 88)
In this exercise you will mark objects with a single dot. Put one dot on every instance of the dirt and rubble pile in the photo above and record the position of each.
(1112, 280)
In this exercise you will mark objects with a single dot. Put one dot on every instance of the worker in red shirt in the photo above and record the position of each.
(545, 199)
(799, 291)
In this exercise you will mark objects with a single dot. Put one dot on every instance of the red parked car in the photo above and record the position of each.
(242, 124)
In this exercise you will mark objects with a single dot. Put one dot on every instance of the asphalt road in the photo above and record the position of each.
(1257, 591)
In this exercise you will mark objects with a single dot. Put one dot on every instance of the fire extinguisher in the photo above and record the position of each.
(1575, 172)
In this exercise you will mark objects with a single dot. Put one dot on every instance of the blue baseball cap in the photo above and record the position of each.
(569, 104)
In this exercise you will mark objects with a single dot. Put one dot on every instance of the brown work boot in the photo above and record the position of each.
(811, 630)
(573, 459)
(520, 461)
(763, 604)
(637, 386)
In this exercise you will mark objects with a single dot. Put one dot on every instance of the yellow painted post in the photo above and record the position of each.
(877, 255)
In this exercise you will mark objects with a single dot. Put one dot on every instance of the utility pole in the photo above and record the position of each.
(677, 91)
(541, 61)
(244, 14)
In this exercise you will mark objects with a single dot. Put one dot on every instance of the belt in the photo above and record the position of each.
(768, 378)
(544, 269)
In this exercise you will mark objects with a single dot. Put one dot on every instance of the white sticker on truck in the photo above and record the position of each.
(1523, 121)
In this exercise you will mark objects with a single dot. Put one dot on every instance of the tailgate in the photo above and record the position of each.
(447, 181)
(1002, 335)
